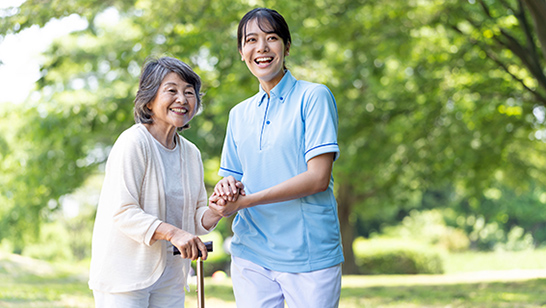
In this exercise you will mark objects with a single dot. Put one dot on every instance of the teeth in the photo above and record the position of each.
(179, 110)
(265, 59)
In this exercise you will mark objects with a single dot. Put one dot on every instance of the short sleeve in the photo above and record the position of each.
(321, 123)
(230, 163)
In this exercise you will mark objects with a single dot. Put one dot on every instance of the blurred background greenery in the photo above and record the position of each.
(441, 111)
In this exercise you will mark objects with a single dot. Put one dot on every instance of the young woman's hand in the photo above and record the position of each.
(229, 188)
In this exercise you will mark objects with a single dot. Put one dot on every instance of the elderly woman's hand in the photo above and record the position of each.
(226, 208)
(189, 245)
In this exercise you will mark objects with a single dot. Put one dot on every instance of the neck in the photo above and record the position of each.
(165, 137)
(268, 85)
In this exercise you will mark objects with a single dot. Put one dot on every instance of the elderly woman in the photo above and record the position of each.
(153, 197)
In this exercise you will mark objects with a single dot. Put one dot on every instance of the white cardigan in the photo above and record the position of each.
(131, 207)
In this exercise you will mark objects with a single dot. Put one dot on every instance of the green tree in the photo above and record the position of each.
(427, 96)
(424, 106)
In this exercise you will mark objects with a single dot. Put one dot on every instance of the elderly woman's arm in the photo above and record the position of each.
(188, 244)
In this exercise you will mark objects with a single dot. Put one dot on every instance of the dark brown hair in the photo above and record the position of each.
(269, 21)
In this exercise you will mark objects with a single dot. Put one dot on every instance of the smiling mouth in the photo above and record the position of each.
(179, 110)
(263, 60)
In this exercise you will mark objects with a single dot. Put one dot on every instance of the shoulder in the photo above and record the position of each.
(313, 89)
(130, 146)
(314, 94)
(135, 136)
(133, 142)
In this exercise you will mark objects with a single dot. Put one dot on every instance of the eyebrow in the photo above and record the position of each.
(170, 83)
(266, 32)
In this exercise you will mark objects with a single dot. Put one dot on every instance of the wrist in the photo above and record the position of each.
(248, 201)
(169, 235)
(215, 216)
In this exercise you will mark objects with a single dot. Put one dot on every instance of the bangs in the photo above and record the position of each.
(269, 21)
(266, 23)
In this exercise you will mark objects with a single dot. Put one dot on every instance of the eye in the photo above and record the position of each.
(250, 39)
(189, 92)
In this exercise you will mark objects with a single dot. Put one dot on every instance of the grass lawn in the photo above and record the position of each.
(31, 283)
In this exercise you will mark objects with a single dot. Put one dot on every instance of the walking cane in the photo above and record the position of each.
(200, 275)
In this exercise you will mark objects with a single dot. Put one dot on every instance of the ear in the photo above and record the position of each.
(287, 50)
(241, 53)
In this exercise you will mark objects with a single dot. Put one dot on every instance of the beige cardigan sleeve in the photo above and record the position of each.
(130, 209)
(131, 214)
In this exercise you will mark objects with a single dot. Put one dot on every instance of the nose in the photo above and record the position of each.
(181, 98)
(263, 46)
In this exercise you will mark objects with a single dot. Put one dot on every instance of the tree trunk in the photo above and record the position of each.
(346, 200)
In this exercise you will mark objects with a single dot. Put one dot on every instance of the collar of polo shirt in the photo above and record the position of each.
(281, 90)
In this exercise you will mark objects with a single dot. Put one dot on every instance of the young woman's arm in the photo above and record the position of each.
(315, 179)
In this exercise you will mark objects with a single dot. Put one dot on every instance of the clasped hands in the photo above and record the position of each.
(228, 197)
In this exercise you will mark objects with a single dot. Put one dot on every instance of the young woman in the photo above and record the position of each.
(281, 144)
(153, 197)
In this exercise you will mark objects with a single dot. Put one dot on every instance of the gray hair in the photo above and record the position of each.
(153, 73)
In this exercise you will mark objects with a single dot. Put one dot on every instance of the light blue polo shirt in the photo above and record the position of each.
(268, 141)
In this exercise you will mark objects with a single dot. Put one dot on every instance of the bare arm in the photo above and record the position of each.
(315, 179)
(210, 218)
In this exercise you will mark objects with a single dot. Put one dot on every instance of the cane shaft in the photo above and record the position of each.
(200, 284)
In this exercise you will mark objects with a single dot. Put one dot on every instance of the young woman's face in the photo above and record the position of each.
(264, 54)
(174, 104)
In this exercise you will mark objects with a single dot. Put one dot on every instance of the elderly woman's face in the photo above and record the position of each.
(174, 104)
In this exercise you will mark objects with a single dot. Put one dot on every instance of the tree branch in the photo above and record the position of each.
(539, 97)
(537, 9)
(527, 54)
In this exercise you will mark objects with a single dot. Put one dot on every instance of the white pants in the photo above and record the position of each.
(166, 292)
(255, 287)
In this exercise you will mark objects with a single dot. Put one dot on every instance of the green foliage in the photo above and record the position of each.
(63, 239)
(53, 244)
(491, 218)
(395, 256)
(430, 94)
(429, 227)
(490, 236)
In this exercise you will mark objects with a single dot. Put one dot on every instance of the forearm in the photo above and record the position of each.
(302, 185)
(316, 179)
(164, 231)
(210, 219)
